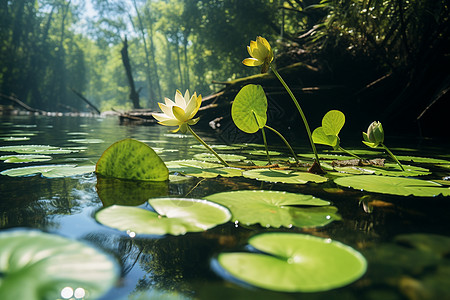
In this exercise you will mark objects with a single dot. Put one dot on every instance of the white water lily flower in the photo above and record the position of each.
(179, 113)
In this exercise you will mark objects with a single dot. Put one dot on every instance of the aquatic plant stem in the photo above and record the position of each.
(393, 156)
(207, 147)
(265, 144)
(300, 111)
(349, 153)
(285, 142)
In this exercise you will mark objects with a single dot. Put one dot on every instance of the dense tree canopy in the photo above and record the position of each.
(50, 47)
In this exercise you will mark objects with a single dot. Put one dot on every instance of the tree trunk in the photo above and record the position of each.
(134, 96)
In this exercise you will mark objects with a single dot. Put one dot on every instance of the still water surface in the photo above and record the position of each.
(154, 268)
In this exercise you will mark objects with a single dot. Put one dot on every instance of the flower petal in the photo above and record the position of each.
(252, 62)
(179, 100)
(179, 113)
(193, 106)
(167, 110)
(171, 122)
(161, 117)
(169, 102)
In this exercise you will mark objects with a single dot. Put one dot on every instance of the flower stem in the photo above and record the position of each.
(300, 111)
(207, 147)
(393, 156)
(285, 141)
(265, 144)
(348, 152)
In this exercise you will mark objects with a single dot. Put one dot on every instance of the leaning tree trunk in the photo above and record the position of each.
(134, 95)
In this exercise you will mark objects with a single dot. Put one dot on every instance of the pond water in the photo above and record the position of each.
(383, 228)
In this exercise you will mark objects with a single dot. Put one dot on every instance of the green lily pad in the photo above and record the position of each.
(218, 147)
(87, 141)
(132, 159)
(276, 209)
(320, 137)
(36, 265)
(15, 138)
(393, 185)
(327, 134)
(175, 216)
(295, 263)
(34, 149)
(283, 176)
(388, 170)
(211, 157)
(263, 152)
(249, 109)
(426, 160)
(202, 169)
(24, 158)
(50, 171)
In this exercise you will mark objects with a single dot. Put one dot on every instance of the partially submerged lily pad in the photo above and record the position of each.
(132, 159)
(202, 169)
(283, 176)
(212, 158)
(393, 185)
(35, 149)
(24, 158)
(36, 265)
(295, 263)
(276, 209)
(388, 170)
(174, 216)
(50, 171)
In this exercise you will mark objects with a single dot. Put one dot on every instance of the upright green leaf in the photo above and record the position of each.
(249, 109)
(132, 159)
(332, 122)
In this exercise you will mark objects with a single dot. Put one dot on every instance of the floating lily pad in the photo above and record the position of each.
(263, 152)
(387, 170)
(276, 209)
(283, 176)
(393, 185)
(202, 169)
(426, 160)
(15, 138)
(327, 156)
(87, 141)
(132, 159)
(174, 216)
(50, 171)
(218, 147)
(24, 158)
(249, 109)
(34, 149)
(211, 157)
(36, 265)
(295, 263)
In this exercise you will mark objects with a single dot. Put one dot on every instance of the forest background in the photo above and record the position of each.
(392, 53)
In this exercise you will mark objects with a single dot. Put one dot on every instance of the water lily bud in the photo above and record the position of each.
(375, 133)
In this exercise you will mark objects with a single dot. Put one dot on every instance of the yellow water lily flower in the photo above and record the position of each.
(179, 113)
(261, 54)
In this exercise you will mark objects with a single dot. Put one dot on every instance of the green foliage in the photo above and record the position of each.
(175, 216)
(50, 171)
(295, 263)
(36, 265)
(328, 133)
(132, 159)
(276, 209)
(249, 109)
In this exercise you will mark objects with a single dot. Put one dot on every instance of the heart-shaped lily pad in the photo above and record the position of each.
(132, 159)
(295, 263)
(394, 185)
(211, 157)
(276, 209)
(36, 265)
(50, 171)
(283, 176)
(388, 170)
(249, 109)
(174, 216)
